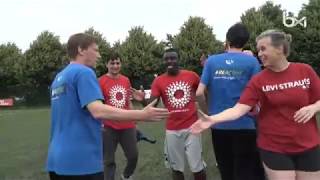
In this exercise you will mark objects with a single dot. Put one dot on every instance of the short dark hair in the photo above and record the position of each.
(112, 56)
(237, 35)
(81, 40)
(172, 50)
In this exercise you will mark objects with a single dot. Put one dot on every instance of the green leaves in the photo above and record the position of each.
(10, 62)
(141, 56)
(43, 59)
(194, 39)
(306, 41)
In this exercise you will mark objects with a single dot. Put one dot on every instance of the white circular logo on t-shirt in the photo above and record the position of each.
(179, 94)
(118, 96)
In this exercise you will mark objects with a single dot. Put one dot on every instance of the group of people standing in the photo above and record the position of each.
(91, 116)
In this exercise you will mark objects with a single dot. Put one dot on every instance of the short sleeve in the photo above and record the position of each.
(88, 88)
(155, 89)
(102, 84)
(314, 84)
(250, 95)
(129, 88)
(205, 77)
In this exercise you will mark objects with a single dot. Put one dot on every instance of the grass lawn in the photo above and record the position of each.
(24, 135)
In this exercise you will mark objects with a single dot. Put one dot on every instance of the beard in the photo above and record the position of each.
(173, 71)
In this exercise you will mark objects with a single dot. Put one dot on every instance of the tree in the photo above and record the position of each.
(10, 60)
(104, 49)
(273, 13)
(194, 39)
(43, 59)
(141, 56)
(306, 41)
(256, 22)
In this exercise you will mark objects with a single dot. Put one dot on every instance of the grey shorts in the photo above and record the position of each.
(180, 145)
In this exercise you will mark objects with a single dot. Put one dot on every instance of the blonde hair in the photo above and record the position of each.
(278, 38)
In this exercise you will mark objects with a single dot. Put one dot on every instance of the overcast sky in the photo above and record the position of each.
(23, 20)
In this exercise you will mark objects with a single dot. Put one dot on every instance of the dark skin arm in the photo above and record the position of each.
(139, 96)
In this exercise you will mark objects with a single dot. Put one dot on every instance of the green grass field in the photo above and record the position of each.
(24, 135)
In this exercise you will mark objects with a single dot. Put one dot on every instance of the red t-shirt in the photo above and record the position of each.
(281, 94)
(178, 95)
(116, 92)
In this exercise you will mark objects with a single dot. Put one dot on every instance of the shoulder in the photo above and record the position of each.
(215, 57)
(86, 70)
(260, 75)
(301, 66)
(159, 79)
(102, 78)
(188, 72)
(123, 77)
(80, 71)
(162, 76)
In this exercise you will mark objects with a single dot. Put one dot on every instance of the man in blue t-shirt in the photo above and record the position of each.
(225, 76)
(75, 148)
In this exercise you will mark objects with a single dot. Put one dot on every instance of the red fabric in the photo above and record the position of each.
(116, 92)
(6, 102)
(181, 103)
(281, 94)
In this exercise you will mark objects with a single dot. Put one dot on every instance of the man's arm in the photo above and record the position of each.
(102, 111)
(139, 96)
(201, 99)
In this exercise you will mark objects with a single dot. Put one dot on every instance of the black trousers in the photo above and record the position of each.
(97, 176)
(237, 154)
(127, 138)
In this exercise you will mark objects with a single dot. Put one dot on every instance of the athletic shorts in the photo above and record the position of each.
(180, 144)
(308, 160)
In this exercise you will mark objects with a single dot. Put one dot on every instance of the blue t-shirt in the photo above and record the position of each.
(226, 76)
(75, 141)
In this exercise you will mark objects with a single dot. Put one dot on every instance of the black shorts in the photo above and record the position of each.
(308, 161)
(96, 176)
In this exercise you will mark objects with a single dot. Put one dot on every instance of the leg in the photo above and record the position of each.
(177, 175)
(193, 151)
(279, 174)
(174, 154)
(53, 176)
(128, 143)
(246, 153)
(302, 175)
(200, 175)
(222, 146)
(278, 166)
(308, 164)
(110, 142)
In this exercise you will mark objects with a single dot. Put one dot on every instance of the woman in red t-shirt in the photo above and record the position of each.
(288, 95)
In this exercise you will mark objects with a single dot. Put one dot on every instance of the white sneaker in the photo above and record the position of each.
(129, 178)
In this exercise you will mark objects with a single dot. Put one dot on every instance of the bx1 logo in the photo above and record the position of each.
(289, 21)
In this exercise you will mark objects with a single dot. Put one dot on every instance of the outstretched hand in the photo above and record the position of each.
(137, 95)
(155, 114)
(204, 122)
